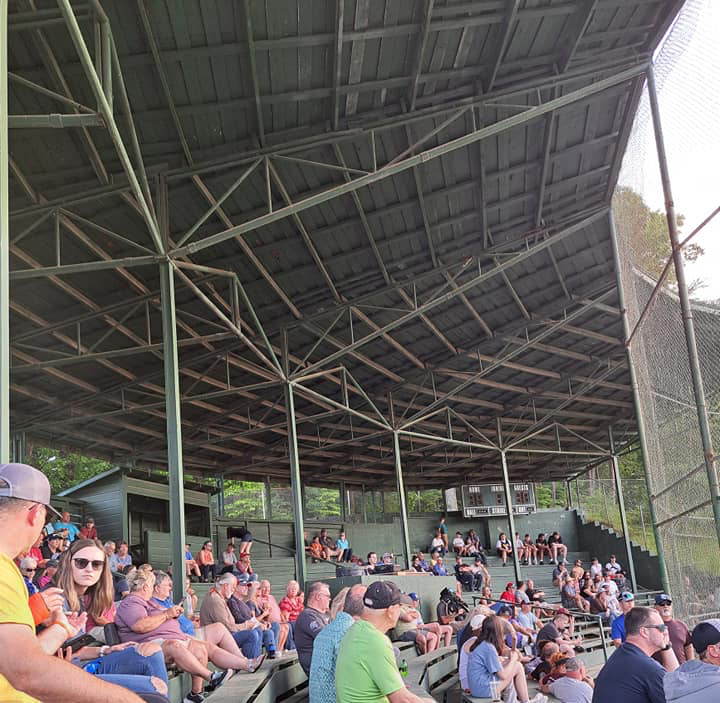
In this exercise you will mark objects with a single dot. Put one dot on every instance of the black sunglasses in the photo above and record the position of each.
(97, 564)
(29, 571)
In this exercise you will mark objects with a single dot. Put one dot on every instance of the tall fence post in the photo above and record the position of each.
(685, 307)
(621, 504)
(508, 502)
(639, 418)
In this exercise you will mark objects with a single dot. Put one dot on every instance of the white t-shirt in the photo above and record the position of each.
(571, 690)
(595, 570)
(458, 542)
(612, 586)
(463, 664)
(519, 544)
(613, 568)
(437, 542)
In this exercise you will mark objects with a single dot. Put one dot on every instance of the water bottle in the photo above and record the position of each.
(403, 668)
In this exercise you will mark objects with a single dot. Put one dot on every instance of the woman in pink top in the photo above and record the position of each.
(267, 603)
(292, 604)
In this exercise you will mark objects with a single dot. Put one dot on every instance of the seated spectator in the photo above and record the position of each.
(697, 681)
(473, 627)
(571, 598)
(329, 544)
(228, 607)
(451, 610)
(344, 546)
(575, 686)
(557, 548)
(51, 549)
(85, 578)
(415, 564)
(438, 543)
(140, 620)
(28, 569)
(271, 630)
(458, 544)
(503, 548)
(609, 584)
(531, 551)
(487, 675)
(121, 560)
(617, 630)
(422, 562)
(266, 601)
(162, 596)
(559, 574)
(372, 560)
(388, 559)
(191, 566)
(191, 601)
(293, 602)
(206, 561)
(677, 630)
(595, 568)
(48, 574)
(88, 531)
(535, 595)
(615, 571)
(480, 574)
(109, 548)
(545, 653)
(439, 568)
(228, 560)
(311, 621)
(442, 632)
(521, 595)
(559, 630)
(243, 569)
(317, 551)
(508, 595)
(473, 548)
(577, 571)
(529, 620)
(406, 629)
(631, 674)
(464, 575)
(541, 544)
(66, 527)
(346, 609)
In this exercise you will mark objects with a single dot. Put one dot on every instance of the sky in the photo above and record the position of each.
(688, 78)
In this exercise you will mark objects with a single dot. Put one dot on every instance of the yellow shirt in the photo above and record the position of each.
(14, 609)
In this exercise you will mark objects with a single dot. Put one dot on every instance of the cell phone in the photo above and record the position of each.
(77, 643)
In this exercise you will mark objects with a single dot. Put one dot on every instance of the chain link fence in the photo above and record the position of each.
(687, 70)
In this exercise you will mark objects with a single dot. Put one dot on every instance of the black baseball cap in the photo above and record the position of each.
(382, 594)
(706, 633)
(505, 610)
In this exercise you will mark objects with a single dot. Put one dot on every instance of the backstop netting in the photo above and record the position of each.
(687, 71)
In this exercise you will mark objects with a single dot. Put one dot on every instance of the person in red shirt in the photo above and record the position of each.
(88, 531)
(508, 594)
(292, 604)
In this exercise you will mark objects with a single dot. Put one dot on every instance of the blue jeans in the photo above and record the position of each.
(290, 642)
(270, 637)
(130, 662)
(134, 683)
(250, 642)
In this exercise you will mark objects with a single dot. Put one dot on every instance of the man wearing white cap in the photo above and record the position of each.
(28, 668)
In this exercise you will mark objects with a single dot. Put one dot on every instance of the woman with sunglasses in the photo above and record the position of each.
(85, 577)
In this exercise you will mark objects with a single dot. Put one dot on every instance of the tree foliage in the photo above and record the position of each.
(648, 232)
(64, 469)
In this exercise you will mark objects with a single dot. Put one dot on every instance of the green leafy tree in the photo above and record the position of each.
(65, 469)
(648, 233)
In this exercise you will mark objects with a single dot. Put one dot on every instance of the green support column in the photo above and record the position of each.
(568, 495)
(401, 499)
(220, 485)
(5, 450)
(296, 487)
(638, 407)
(621, 504)
(511, 517)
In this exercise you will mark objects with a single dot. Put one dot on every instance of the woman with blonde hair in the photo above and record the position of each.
(338, 603)
(267, 601)
(271, 630)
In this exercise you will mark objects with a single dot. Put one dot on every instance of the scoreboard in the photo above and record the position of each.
(487, 499)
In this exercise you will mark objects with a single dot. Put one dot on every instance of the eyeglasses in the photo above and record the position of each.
(29, 571)
(97, 564)
(660, 628)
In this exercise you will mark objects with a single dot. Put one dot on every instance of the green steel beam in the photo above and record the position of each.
(106, 109)
(5, 444)
(84, 267)
(296, 487)
(55, 121)
(411, 161)
(401, 499)
(615, 464)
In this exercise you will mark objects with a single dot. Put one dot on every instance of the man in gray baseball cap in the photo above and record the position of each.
(698, 680)
(29, 669)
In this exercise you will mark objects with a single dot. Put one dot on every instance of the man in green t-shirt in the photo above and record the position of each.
(366, 671)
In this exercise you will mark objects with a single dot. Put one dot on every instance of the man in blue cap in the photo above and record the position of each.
(29, 669)
(617, 629)
(679, 633)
